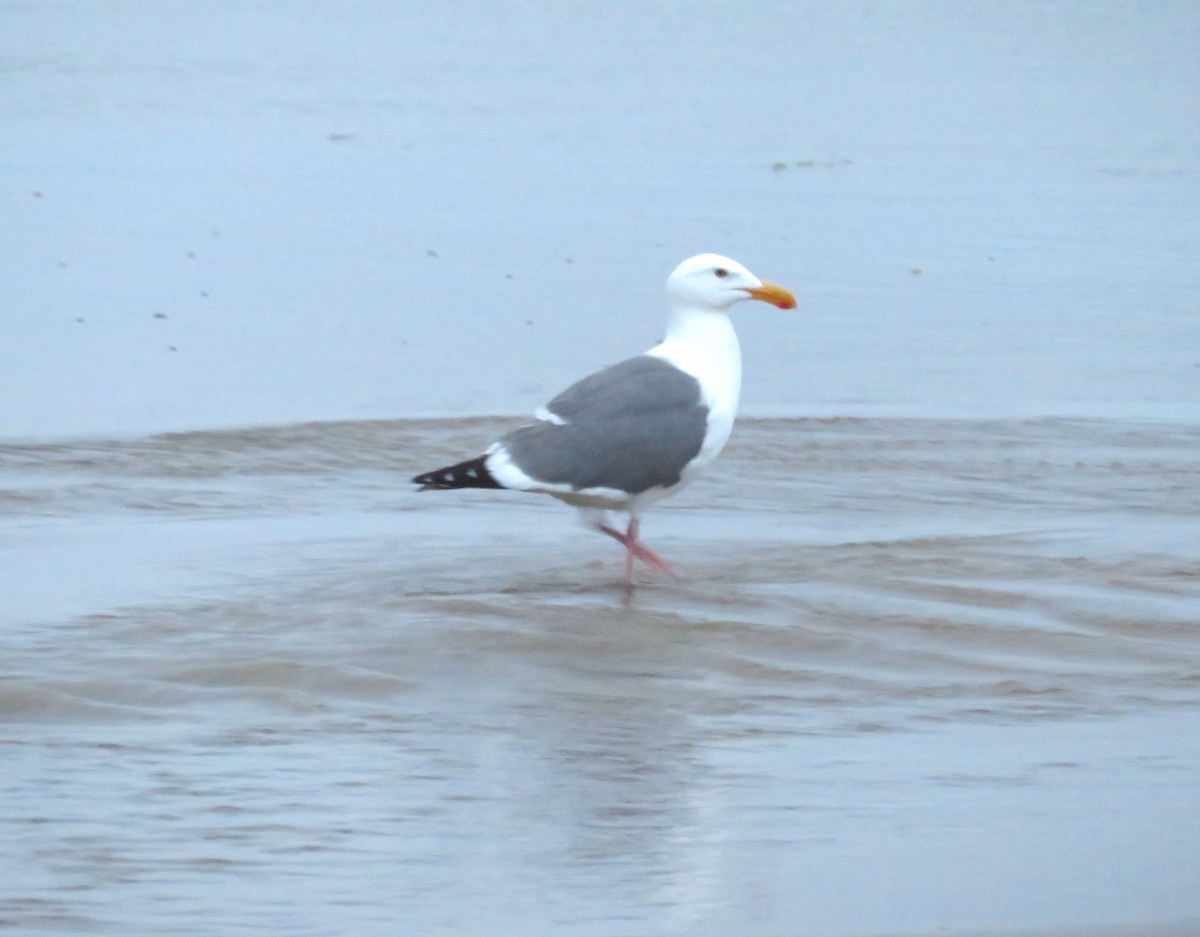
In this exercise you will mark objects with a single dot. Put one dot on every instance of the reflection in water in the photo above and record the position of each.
(911, 659)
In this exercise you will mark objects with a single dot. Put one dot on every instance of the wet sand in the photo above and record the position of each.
(243, 216)
(922, 677)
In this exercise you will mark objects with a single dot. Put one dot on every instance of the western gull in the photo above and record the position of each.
(638, 431)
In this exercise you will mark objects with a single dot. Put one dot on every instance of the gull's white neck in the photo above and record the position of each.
(702, 342)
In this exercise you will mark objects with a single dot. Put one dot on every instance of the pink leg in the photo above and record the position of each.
(630, 543)
(634, 547)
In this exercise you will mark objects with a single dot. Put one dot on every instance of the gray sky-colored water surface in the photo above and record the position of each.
(933, 668)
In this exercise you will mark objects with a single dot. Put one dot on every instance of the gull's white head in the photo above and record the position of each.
(710, 281)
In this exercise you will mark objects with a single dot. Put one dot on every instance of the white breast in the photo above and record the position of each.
(704, 344)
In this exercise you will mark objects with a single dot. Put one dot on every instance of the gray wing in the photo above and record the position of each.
(631, 427)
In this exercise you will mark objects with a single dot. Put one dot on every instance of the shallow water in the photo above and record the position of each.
(922, 675)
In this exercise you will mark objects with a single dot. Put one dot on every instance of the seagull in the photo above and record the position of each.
(635, 432)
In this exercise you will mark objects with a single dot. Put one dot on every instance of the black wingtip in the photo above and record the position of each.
(472, 473)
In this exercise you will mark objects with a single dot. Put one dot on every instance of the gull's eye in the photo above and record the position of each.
(721, 272)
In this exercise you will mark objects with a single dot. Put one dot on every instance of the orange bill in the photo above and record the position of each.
(775, 295)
